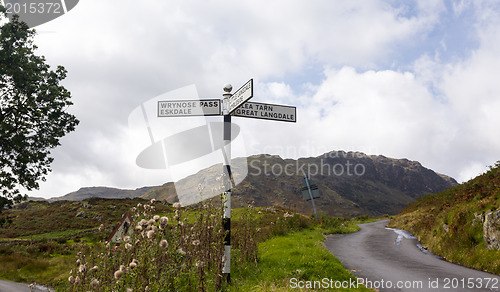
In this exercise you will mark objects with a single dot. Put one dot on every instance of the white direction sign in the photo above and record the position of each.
(185, 108)
(267, 111)
(240, 96)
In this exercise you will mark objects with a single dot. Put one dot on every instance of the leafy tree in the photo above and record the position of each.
(33, 107)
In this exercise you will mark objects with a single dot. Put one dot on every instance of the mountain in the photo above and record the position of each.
(103, 192)
(461, 224)
(350, 183)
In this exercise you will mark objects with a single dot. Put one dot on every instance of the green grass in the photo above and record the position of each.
(287, 260)
(21, 267)
(54, 234)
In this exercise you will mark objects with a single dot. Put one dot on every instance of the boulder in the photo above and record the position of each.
(491, 230)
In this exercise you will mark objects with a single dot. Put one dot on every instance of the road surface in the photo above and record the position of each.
(390, 260)
(7, 286)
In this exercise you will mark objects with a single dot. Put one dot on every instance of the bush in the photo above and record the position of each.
(157, 256)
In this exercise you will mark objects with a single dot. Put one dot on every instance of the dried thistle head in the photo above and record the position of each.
(163, 243)
(94, 283)
(118, 274)
(164, 221)
(82, 269)
(151, 234)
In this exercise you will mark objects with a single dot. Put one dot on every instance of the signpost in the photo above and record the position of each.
(187, 108)
(240, 96)
(310, 191)
(267, 111)
(235, 104)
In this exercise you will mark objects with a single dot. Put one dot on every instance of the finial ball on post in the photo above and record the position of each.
(228, 87)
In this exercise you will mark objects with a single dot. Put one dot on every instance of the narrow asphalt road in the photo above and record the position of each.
(390, 260)
(7, 286)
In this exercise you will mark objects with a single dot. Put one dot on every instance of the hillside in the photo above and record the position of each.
(37, 217)
(351, 184)
(461, 224)
(103, 192)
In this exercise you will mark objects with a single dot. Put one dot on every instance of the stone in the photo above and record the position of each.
(81, 214)
(491, 230)
(478, 219)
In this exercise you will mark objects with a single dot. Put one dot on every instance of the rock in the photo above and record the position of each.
(81, 214)
(478, 219)
(491, 230)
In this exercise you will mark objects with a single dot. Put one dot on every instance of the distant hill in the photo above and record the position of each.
(461, 224)
(65, 218)
(351, 183)
(103, 192)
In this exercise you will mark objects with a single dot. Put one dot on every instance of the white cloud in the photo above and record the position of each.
(120, 54)
(386, 112)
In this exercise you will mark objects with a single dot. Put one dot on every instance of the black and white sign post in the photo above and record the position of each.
(226, 151)
(231, 105)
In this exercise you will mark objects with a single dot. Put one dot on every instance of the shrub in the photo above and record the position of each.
(157, 256)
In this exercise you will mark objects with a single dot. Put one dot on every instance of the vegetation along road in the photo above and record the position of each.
(391, 260)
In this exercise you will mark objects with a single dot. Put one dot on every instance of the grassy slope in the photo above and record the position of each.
(46, 236)
(457, 210)
(33, 218)
(300, 256)
(285, 255)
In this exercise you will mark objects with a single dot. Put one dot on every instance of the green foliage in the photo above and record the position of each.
(33, 107)
(337, 225)
(42, 262)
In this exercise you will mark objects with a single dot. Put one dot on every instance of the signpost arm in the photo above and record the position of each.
(310, 194)
(226, 270)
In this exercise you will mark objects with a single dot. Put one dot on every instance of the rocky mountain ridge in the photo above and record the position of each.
(351, 183)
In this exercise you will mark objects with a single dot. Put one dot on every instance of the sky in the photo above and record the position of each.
(403, 79)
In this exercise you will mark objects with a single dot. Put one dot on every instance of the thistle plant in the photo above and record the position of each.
(160, 254)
